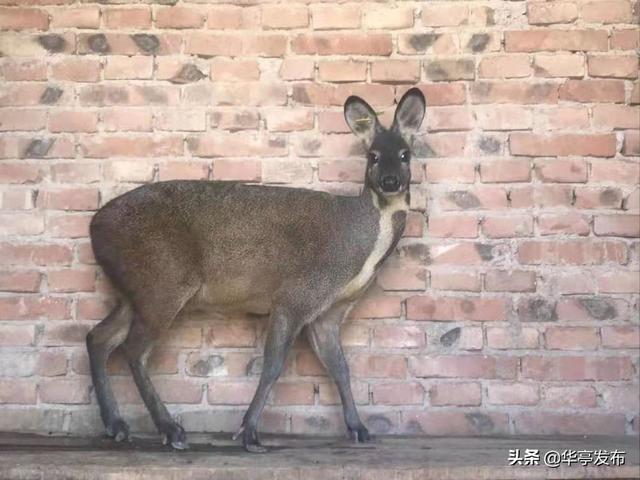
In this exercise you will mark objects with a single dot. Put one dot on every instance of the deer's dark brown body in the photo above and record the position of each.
(302, 257)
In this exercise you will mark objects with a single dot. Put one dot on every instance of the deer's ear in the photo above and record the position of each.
(410, 113)
(361, 118)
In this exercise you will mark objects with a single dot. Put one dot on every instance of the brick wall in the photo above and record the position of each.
(511, 304)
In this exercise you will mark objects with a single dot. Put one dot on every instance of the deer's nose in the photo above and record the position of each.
(390, 183)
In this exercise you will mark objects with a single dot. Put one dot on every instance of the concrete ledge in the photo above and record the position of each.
(302, 458)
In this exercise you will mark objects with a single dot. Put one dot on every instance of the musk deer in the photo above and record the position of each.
(303, 257)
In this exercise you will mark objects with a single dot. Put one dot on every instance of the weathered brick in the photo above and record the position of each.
(512, 394)
(535, 145)
(555, 40)
(547, 13)
(467, 394)
(453, 309)
(464, 366)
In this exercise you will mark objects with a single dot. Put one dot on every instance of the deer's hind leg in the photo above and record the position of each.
(153, 318)
(101, 341)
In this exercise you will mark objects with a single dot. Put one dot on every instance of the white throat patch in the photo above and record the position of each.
(381, 246)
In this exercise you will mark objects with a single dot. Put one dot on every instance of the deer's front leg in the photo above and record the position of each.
(324, 336)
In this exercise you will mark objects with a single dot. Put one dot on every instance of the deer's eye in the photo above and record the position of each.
(405, 156)
(373, 157)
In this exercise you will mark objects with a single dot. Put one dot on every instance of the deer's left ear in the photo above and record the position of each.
(410, 113)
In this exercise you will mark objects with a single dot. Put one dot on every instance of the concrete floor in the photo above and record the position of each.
(216, 457)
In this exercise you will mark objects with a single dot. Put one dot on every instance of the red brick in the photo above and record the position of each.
(576, 368)
(449, 119)
(80, 17)
(183, 170)
(593, 91)
(342, 44)
(510, 281)
(631, 145)
(125, 18)
(545, 423)
(126, 119)
(405, 277)
(428, 43)
(620, 336)
(64, 391)
(16, 69)
(51, 363)
(23, 19)
(505, 66)
(173, 390)
(297, 69)
(615, 116)
(554, 40)
(293, 394)
(121, 68)
(621, 398)
(71, 280)
(559, 65)
(457, 226)
(619, 282)
(21, 224)
(626, 39)
(506, 227)
(288, 120)
(397, 394)
(571, 338)
(455, 309)
(613, 11)
(562, 118)
(572, 397)
(514, 92)
(536, 145)
(378, 366)
(467, 394)
(281, 16)
(35, 254)
(333, 17)
(463, 366)
(618, 66)
(21, 392)
(377, 306)
(617, 225)
(179, 17)
(224, 17)
(27, 281)
(231, 334)
(68, 226)
(576, 252)
(224, 70)
(444, 422)
(342, 71)
(512, 394)
(450, 69)
(18, 336)
(385, 18)
(398, 337)
(568, 223)
(141, 146)
(329, 393)
(72, 121)
(617, 172)
(502, 338)
(547, 13)
(20, 119)
(444, 14)
(506, 171)
(457, 281)
(235, 145)
(395, 71)
(503, 117)
(244, 170)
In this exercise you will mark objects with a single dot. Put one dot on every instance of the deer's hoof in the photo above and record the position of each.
(118, 430)
(175, 436)
(251, 441)
(360, 434)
